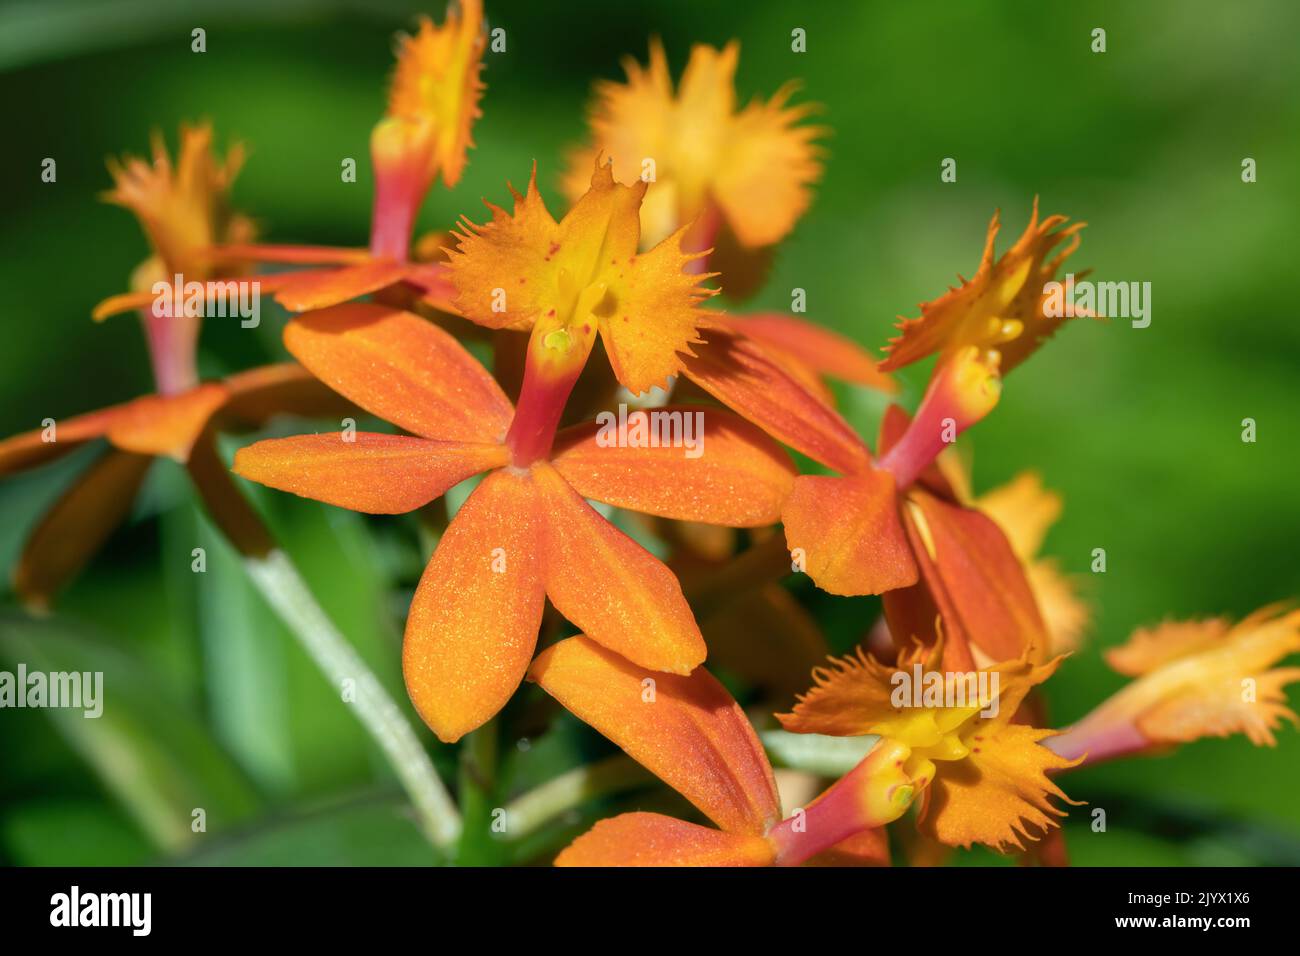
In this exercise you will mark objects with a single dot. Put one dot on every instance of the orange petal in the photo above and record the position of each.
(166, 425)
(848, 533)
(30, 449)
(437, 81)
(685, 730)
(294, 255)
(322, 288)
(653, 316)
(403, 369)
(829, 353)
(500, 269)
(738, 373)
(649, 839)
(78, 525)
(376, 474)
(975, 578)
(735, 475)
(769, 164)
(473, 623)
(1000, 795)
(122, 302)
(1151, 647)
(610, 587)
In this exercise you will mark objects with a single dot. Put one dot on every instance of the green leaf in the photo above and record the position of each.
(151, 752)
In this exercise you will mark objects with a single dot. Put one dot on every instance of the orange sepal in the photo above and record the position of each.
(826, 352)
(686, 730)
(609, 586)
(78, 524)
(848, 531)
(739, 373)
(166, 425)
(473, 622)
(651, 839)
(29, 449)
(368, 472)
(975, 579)
(739, 477)
(403, 369)
(322, 288)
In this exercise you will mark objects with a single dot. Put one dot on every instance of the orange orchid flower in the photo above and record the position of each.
(568, 282)
(181, 209)
(525, 533)
(982, 777)
(885, 525)
(896, 526)
(689, 732)
(1193, 679)
(184, 209)
(425, 133)
(722, 174)
(1000, 310)
(751, 169)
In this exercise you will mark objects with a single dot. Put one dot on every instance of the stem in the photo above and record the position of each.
(284, 589)
(530, 811)
(286, 592)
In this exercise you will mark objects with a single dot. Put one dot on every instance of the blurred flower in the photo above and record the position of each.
(525, 533)
(176, 426)
(1193, 679)
(749, 170)
(984, 777)
(1025, 510)
(689, 732)
(183, 209)
(432, 105)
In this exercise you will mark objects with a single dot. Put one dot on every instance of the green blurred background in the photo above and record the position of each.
(211, 705)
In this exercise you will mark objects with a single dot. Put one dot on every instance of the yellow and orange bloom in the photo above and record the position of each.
(525, 533)
(1000, 310)
(896, 526)
(1193, 679)
(725, 176)
(568, 282)
(183, 208)
(983, 778)
(433, 102)
(749, 169)
(689, 732)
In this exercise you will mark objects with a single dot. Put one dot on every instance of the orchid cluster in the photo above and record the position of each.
(680, 193)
